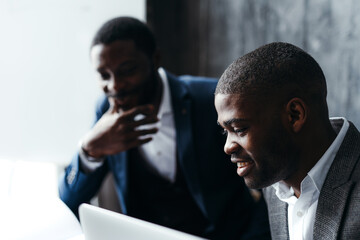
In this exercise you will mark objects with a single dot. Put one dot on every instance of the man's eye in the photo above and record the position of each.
(240, 130)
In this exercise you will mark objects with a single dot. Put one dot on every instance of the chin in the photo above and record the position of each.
(256, 183)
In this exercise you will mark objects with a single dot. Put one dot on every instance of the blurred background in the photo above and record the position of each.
(203, 37)
(48, 88)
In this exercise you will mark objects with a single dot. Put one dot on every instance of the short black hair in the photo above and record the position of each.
(126, 28)
(270, 68)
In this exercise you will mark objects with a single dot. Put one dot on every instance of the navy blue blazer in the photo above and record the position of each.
(210, 176)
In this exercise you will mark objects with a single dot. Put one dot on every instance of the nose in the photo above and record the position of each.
(230, 146)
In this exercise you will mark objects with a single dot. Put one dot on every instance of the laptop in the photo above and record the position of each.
(98, 223)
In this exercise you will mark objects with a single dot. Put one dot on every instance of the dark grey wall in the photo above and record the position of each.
(205, 36)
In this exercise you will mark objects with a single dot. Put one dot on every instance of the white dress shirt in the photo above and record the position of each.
(301, 211)
(160, 152)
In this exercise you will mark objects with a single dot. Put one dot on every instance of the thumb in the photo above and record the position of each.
(113, 108)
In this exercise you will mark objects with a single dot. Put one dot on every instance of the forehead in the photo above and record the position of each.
(231, 106)
(115, 52)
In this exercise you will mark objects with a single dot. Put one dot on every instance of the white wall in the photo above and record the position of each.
(47, 86)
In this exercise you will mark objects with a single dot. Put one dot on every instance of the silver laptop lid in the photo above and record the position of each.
(98, 223)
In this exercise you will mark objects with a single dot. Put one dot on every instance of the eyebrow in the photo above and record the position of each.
(127, 63)
(119, 68)
(233, 120)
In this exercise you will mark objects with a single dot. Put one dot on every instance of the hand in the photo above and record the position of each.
(116, 131)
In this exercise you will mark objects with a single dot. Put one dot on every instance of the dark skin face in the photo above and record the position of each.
(259, 139)
(126, 74)
(130, 80)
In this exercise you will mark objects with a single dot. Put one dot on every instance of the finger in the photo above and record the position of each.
(139, 142)
(143, 132)
(128, 126)
(144, 121)
(144, 109)
(135, 134)
(113, 107)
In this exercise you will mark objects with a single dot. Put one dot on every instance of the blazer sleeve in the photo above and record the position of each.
(76, 187)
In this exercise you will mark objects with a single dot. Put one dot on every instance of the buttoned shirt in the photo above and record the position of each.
(301, 211)
(160, 152)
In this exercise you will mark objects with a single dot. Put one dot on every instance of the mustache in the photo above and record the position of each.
(121, 93)
(239, 156)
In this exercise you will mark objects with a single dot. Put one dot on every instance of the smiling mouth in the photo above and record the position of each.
(243, 167)
(123, 94)
(242, 164)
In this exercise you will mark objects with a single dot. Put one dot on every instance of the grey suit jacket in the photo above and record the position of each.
(338, 210)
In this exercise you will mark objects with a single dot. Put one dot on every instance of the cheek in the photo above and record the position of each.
(249, 148)
(136, 80)
(142, 74)
(248, 144)
(257, 148)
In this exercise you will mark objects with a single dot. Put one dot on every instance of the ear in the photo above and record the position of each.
(296, 110)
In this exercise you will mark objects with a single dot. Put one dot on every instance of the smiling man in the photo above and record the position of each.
(272, 106)
(157, 134)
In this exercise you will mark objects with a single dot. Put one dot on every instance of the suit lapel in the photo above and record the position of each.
(181, 103)
(336, 188)
(278, 217)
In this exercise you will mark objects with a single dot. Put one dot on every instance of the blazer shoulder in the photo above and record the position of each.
(198, 85)
(197, 80)
(346, 165)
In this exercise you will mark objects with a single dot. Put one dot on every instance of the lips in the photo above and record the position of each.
(243, 166)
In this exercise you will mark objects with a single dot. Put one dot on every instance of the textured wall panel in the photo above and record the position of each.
(219, 31)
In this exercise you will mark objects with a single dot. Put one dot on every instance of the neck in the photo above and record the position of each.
(314, 144)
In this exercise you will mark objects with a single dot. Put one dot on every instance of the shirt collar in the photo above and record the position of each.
(165, 104)
(318, 173)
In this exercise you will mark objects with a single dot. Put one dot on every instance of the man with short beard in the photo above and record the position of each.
(272, 106)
